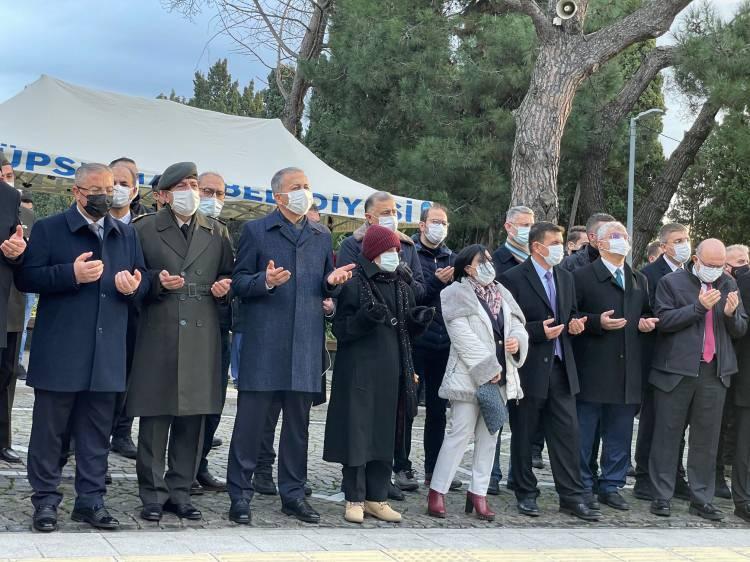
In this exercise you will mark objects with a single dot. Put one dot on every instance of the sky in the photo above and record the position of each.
(137, 47)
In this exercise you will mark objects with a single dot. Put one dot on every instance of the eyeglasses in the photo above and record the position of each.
(95, 190)
(437, 221)
(211, 193)
(618, 235)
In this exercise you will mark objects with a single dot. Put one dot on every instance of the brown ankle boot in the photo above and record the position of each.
(479, 503)
(436, 504)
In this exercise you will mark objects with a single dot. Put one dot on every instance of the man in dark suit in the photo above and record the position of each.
(12, 247)
(741, 399)
(676, 250)
(284, 270)
(546, 295)
(87, 269)
(699, 313)
(614, 299)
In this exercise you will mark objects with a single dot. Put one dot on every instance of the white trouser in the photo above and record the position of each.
(466, 422)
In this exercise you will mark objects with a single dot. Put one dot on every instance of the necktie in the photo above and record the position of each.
(97, 229)
(185, 228)
(552, 296)
(619, 279)
(709, 341)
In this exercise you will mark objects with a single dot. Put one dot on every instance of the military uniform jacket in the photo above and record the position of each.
(178, 350)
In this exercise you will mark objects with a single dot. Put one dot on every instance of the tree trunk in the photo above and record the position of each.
(310, 49)
(655, 206)
(540, 123)
(603, 137)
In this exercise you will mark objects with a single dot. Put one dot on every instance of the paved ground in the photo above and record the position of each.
(122, 499)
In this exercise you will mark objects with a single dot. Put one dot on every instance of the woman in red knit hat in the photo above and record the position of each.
(375, 322)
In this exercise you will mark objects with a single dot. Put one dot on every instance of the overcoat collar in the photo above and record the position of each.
(287, 230)
(530, 272)
(603, 274)
(76, 222)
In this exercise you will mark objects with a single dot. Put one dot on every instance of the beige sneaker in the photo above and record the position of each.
(355, 512)
(382, 511)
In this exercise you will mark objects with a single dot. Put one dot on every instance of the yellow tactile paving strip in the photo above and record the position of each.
(704, 554)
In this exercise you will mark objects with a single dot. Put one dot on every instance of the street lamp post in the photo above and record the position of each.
(631, 173)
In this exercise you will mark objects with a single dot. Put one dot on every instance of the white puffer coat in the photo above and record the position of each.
(473, 360)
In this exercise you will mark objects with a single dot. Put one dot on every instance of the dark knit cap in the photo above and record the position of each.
(176, 173)
(379, 239)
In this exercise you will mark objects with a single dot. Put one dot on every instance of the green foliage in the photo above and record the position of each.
(46, 204)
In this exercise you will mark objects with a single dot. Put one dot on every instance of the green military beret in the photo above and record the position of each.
(176, 173)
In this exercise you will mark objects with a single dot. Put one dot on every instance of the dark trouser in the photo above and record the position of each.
(182, 437)
(430, 364)
(401, 453)
(561, 426)
(615, 423)
(89, 416)
(497, 470)
(8, 365)
(249, 428)
(267, 454)
(741, 464)
(213, 420)
(645, 438)
(699, 401)
(537, 441)
(122, 428)
(368, 482)
(728, 435)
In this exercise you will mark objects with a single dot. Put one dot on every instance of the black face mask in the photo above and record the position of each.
(98, 205)
(740, 270)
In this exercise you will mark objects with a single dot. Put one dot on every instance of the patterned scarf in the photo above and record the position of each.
(489, 294)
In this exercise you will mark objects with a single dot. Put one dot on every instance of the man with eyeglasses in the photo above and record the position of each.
(190, 258)
(614, 300)
(87, 269)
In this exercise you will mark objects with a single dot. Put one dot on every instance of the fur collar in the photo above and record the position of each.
(359, 235)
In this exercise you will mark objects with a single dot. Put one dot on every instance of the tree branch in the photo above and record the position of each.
(542, 23)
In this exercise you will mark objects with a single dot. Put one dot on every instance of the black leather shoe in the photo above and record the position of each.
(536, 460)
(21, 372)
(239, 512)
(263, 484)
(151, 512)
(707, 511)
(682, 490)
(301, 510)
(743, 512)
(107, 478)
(580, 510)
(45, 518)
(528, 506)
(9, 455)
(494, 488)
(722, 490)
(216, 442)
(642, 490)
(183, 510)
(592, 503)
(395, 493)
(97, 517)
(124, 447)
(661, 508)
(209, 482)
(308, 489)
(614, 500)
(196, 489)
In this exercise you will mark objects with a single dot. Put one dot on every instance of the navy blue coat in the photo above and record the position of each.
(436, 336)
(283, 329)
(79, 335)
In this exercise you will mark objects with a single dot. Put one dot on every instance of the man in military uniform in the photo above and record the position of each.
(190, 259)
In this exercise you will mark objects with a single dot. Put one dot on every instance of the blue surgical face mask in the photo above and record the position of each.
(389, 261)
(522, 235)
(390, 222)
(619, 246)
(211, 207)
(485, 274)
(555, 255)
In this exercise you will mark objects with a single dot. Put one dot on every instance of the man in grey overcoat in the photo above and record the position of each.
(177, 351)
(284, 271)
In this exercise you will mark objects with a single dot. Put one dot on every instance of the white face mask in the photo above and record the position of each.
(186, 202)
(436, 233)
(555, 255)
(211, 207)
(682, 252)
(121, 197)
(619, 246)
(300, 201)
(522, 235)
(708, 274)
(485, 273)
(390, 222)
(389, 261)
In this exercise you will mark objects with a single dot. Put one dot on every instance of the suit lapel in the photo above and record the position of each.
(306, 234)
(170, 232)
(536, 283)
(200, 239)
(562, 293)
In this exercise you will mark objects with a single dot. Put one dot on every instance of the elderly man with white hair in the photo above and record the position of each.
(614, 300)
(700, 312)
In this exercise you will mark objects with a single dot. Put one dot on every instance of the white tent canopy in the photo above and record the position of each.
(51, 127)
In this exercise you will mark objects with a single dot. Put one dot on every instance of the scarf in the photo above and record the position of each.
(490, 295)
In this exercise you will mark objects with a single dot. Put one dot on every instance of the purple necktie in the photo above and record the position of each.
(552, 296)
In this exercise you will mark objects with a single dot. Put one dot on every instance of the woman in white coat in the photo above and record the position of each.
(488, 344)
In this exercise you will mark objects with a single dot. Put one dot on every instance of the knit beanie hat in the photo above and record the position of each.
(377, 240)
